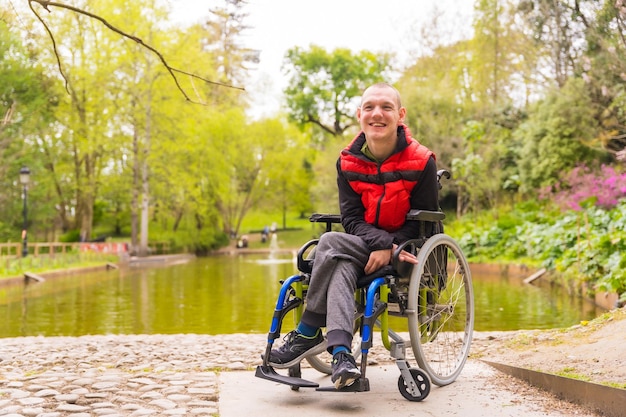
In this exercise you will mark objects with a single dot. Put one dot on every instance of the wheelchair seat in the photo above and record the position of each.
(305, 265)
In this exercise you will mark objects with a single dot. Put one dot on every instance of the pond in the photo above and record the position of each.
(233, 294)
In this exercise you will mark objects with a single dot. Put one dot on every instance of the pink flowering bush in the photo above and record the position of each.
(584, 187)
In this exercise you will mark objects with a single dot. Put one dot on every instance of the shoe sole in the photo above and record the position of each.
(315, 350)
(347, 380)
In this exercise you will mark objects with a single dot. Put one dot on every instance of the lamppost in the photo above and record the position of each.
(24, 179)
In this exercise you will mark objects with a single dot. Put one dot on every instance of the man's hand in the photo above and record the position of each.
(377, 260)
(380, 258)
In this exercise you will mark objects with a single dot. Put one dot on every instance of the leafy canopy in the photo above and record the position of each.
(323, 85)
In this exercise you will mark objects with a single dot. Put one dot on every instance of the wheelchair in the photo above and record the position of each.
(435, 296)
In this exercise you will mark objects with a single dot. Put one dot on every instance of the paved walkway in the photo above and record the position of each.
(480, 391)
(202, 375)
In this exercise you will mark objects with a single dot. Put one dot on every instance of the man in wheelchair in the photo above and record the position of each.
(381, 175)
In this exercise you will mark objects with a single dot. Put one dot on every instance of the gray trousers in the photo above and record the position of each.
(339, 261)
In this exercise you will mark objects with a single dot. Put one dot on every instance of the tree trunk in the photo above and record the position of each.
(88, 199)
(134, 203)
(145, 186)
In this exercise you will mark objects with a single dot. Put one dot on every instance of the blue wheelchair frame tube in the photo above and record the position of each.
(280, 305)
(368, 321)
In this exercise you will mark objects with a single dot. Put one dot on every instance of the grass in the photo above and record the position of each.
(572, 374)
(294, 233)
(16, 267)
(254, 221)
(287, 239)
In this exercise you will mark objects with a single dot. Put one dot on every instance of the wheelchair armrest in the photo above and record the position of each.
(306, 265)
(325, 218)
(425, 215)
(404, 268)
(329, 219)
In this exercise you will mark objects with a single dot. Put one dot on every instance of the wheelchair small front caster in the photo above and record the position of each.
(417, 389)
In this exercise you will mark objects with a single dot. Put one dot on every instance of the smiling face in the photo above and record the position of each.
(380, 114)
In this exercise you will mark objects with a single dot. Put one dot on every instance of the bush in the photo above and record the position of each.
(584, 187)
(587, 247)
(70, 236)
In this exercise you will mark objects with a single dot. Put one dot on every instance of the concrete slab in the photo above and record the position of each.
(480, 391)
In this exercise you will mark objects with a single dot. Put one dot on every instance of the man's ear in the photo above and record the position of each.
(402, 113)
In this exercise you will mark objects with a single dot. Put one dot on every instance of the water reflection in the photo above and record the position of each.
(231, 294)
(506, 303)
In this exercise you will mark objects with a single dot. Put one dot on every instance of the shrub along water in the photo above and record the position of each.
(586, 246)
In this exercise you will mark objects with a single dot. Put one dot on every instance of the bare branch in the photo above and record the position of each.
(315, 121)
(172, 71)
(54, 45)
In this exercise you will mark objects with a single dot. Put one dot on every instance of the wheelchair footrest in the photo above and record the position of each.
(267, 372)
(360, 385)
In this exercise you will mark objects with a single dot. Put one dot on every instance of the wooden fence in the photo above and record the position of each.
(50, 249)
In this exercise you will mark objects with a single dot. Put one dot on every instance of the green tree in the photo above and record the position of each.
(436, 102)
(603, 66)
(95, 75)
(259, 165)
(288, 171)
(187, 171)
(324, 86)
(489, 69)
(27, 103)
(557, 135)
(121, 101)
(222, 36)
(557, 34)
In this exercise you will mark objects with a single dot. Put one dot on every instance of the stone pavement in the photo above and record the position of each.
(135, 375)
(204, 375)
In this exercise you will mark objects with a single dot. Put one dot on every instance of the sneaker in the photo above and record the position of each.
(296, 348)
(345, 371)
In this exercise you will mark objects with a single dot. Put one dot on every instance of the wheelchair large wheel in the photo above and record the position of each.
(441, 309)
(322, 362)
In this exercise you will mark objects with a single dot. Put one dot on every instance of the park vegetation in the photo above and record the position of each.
(137, 128)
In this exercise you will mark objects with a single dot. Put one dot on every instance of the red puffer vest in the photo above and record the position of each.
(385, 189)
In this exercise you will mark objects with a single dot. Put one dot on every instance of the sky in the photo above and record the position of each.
(373, 25)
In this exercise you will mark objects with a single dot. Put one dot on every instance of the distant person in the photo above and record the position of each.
(243, 242)
(265, 233)
(381, 175)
